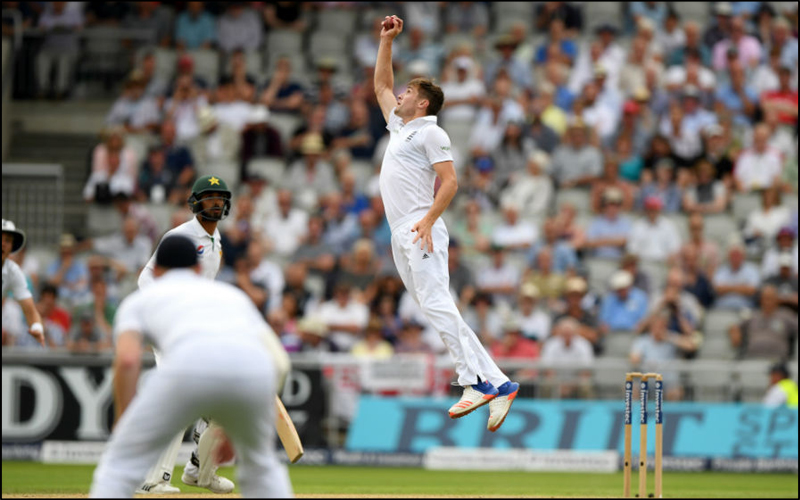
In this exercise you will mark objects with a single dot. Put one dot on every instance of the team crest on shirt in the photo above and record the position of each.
(200, 249)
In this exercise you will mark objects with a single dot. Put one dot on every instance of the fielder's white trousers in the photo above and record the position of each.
(234, 384)
(427, 279)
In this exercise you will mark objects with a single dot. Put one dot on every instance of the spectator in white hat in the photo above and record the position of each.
(624, 306)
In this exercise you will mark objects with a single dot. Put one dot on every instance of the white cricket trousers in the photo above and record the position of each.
(427, 279)
(234, 384)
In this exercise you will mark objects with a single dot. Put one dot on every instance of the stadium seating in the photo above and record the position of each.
(608, 380)
(166, 60)
(752, 379)
(286, 124)
(791, 202)
(362, 170)
(335, 46)
(656, 271)
(282, 42)
(271, 169)
(600, 270)
(719, 321)
(716, 348)
(696, 11)
(102, 220)
(599, 13)
(459, 132)
(337, 21)
(161, 213)
(523, 11)
(504, 22)
(681, 222)
(579, 198)
(710, 381)
(618, 344)
(102, 58)
(206, 65)
(744, 204)
(254, 64)
(719, 228)
(452, 40)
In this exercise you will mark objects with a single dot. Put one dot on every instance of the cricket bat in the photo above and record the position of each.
(287, 433)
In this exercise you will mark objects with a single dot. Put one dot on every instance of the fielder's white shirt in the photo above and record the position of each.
(14, 280)
(407, 174)
(182, 306)
(208, 247)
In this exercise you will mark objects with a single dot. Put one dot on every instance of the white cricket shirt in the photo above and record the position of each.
(14, 280)
(208, 247)
(182, 306)
(407, 174)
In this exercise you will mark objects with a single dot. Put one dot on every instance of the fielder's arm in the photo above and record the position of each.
(447, 173)
(127, 367)
(384, 75)
(33, 318)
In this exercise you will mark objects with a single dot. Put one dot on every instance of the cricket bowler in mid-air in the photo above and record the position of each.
(418, 151)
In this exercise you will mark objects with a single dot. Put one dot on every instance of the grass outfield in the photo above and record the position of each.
(29, 479)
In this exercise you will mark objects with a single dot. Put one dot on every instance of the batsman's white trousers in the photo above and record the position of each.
(234, 384)
(427, 279)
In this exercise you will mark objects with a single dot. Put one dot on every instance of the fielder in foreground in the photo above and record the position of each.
(418, 151)
(14, 280)
(225, 367)
(210, 202)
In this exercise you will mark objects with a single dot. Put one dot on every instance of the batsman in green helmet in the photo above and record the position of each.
(210, 202)
(205, 192)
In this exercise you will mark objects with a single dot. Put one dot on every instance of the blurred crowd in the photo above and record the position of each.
(638, 177)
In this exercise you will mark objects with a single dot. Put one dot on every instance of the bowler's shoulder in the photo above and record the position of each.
(434, 132)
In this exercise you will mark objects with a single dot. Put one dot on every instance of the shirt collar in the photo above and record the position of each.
(179, 274)
(200, 230)
(422, 120)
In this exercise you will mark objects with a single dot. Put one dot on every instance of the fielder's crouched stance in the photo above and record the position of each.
(224, 367)
(211, 202)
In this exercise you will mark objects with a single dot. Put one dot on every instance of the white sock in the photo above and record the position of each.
(191, 469)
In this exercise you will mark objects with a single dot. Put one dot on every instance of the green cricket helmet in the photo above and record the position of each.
(18, 235)
(210, 184)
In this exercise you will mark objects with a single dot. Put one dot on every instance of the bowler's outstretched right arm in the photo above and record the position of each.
(384, 75)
